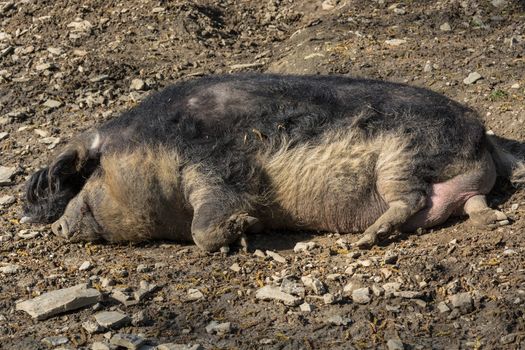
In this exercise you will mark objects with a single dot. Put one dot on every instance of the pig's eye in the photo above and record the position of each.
(84, 209)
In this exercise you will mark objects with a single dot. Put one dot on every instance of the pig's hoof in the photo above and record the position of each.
(61, 228)
(488, 218)
(372, 236)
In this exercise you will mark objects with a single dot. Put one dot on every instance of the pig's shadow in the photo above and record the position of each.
(503, 189)
(279, 239)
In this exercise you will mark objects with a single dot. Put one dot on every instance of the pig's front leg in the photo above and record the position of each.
(220, 215)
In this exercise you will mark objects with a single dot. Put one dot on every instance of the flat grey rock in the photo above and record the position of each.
(100, 346)
(6, 173)
(339, 320)
(112, 319)
(58, 301)
(173, 346)
(128, 341)
(361, 295)
(395, 344)
(55, 341)
(7, 200)
(462, 301)
(274, 293)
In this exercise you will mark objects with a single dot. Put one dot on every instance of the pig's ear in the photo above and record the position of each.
(50, 189)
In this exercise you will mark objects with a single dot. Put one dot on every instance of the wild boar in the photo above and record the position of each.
(211, 159)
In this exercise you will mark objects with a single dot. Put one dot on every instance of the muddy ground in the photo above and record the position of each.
(65, 66)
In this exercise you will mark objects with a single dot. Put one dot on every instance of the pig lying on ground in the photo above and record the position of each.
(211, 159)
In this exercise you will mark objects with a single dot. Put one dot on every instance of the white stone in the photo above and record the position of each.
(391, 287)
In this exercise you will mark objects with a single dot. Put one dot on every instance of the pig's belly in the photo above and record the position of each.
(446, 199)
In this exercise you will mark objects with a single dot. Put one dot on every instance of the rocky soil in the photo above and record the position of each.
(65, 66)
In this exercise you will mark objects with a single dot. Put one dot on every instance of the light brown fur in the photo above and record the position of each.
(326, 186)
(142, 197)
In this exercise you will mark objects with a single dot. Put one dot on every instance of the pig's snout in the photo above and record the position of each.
(61, 228)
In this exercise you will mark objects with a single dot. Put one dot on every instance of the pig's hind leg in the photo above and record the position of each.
(397, 184)
(481, 215)
(404, 199)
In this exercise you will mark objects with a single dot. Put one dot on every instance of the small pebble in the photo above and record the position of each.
(395, 344)
(442, 307)
(395, 42)
(508, 339)
(328, 298)
(137, 84)
(55, 341)
(259, 253)
(92, 327)
(339, 320)
(235, 267)
(86, 265)
(141, 268)
(304, 246)
(472, 78)
(195, 294)
(275, 256)
(10, 269)
(128, 341)
(314, 284)
(215, 327)
(462, 301)
(445, 27)
(305, 307)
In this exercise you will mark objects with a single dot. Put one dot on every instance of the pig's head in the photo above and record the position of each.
(78, 222)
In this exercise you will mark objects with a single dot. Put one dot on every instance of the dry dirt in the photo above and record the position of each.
(65, 66)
